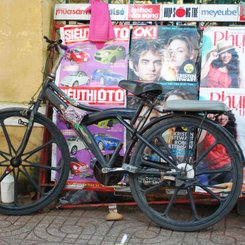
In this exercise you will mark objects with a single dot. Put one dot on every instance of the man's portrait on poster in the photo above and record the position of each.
(146, 60)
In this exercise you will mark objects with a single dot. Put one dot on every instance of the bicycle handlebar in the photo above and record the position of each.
(57, 44)
(60, 49)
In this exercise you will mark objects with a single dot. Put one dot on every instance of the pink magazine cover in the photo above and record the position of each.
(222, 73)
(91, 76)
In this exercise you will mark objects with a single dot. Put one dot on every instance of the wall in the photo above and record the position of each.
(23, 53)
(23, 23)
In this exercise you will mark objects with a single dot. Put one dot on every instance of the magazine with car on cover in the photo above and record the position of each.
(90, 75)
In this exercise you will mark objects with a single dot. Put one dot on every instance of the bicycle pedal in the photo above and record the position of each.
(172, 178)
(111, 170)
(129, 168)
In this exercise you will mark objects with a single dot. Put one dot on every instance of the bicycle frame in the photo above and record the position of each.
(60, 100)
(172, 157)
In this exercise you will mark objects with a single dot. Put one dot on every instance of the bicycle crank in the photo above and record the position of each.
(108, 176)
(183, 172)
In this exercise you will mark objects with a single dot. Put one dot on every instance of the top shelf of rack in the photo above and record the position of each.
(156, 12)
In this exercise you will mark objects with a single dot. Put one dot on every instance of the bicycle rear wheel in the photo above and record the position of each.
(194, 164)
(37, 182)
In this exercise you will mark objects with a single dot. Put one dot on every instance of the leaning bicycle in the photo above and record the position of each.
(176, 163)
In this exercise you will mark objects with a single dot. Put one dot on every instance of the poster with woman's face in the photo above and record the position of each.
(160, 53)
(222, 58)
(181, 51)
(222, 78)
(166, 55)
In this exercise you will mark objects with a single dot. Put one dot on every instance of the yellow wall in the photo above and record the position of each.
(22, 54)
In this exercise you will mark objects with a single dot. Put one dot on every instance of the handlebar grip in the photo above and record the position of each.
(47, 39)
(64, 47)
(55, 44)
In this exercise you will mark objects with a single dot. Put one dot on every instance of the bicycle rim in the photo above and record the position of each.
(41, 173)
(188, 182)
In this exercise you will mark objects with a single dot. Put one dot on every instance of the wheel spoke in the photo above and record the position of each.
(41, 166)
(211, 193)
(16, 177)
(30, 153)
(4, 155)
(5, 163)
(171, 202)
(28, 177)
(193, 205)
(214, 171)
(153, 188)
(157, 165)
(4, 174)
(171, 157)
(9, 143)
(205, 153)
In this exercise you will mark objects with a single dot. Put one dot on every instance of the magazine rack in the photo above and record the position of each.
(62, 18)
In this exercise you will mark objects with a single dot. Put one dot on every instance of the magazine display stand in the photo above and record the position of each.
(72, 20)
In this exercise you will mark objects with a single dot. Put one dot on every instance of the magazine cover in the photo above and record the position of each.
(222, 75)
(166, 55)
(90, 75)
(242, 10)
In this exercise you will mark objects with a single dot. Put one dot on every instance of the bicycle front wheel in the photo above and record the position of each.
(41, 173)
(194, 163)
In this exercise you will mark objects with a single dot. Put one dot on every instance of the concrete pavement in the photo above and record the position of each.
(87, 225)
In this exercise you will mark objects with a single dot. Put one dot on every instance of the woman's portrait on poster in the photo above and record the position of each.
(221, 68)
(180, 59)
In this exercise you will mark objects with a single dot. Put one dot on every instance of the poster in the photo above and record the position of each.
(91, 76)
(166, 55)
(242, 10)
(222, 75)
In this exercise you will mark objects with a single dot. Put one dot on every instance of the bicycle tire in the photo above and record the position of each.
(179, 199)
(37, 183)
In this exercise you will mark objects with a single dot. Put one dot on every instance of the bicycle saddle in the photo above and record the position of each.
(140, 88)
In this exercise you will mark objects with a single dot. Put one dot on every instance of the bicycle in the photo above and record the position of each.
(165, 161)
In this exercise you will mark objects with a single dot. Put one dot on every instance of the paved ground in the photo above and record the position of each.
(87, 225)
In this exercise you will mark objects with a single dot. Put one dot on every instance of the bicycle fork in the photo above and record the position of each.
(16, 160)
